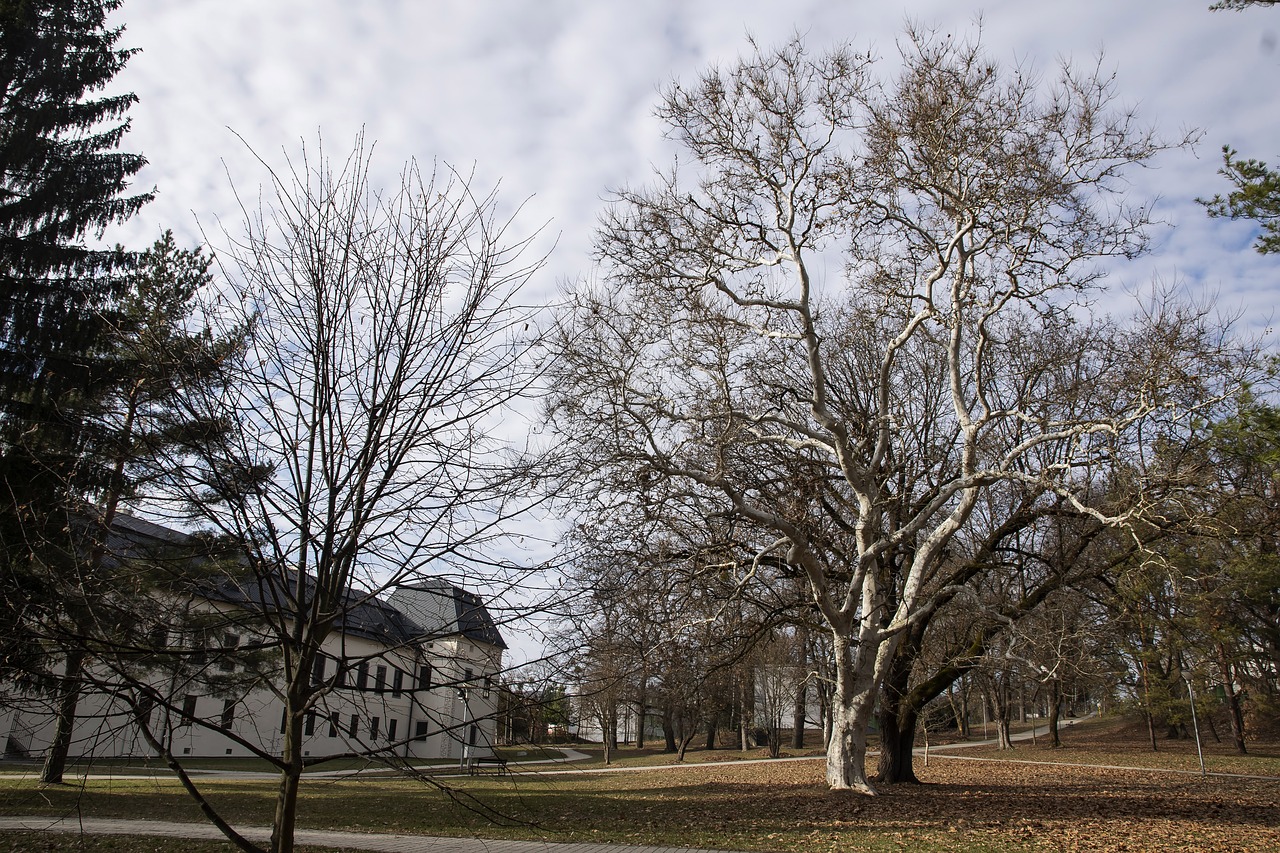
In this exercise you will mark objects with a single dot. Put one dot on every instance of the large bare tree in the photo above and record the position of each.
(854, 306)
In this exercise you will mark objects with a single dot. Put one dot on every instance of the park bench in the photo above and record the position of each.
(483, 763)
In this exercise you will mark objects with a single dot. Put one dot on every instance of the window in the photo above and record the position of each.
(145, 705)
(355, 726)
(159, 637)
(397, 683)
(373, 727)
(226, 661)
(317, 670)
(309, 727)
(488, 685)
(424, 677)
(340, 677)
(380, 679)
(188, 708)
(333, 724)
(228, 713)
(467, 675)
(362, 676)
(420, 730)
(391, 728)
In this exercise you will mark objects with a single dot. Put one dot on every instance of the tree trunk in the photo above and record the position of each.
(286, 816)
(1234, 712)
(897, 745)
(669, 730)
(712, 730)
(851, 707)
(1003, 741)
(1055, 703)
(69, 686)
(898, 720)
(798, 715)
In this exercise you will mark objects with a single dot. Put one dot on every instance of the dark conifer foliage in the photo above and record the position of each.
(62, 182)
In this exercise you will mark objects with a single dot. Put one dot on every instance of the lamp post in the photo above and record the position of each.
(1195, 722)
(466, 727)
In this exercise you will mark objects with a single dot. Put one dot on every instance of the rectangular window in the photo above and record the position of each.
(355, 726)
(226, 660)
(317, 671)
(424, 677)
(467, 675)
(373, 728)
(420, 730)
(188, 708)
(380, 679)
(362, 676)
(228, 713)
(333, 724)
(309, 727)
(397, 683)
(488, 685)
(340, 677)
(391, 728)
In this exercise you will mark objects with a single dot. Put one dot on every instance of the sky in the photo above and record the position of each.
(552, 100)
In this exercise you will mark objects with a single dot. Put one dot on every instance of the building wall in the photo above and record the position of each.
(358, 713)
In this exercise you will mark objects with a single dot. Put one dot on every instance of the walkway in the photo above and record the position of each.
(318, 838)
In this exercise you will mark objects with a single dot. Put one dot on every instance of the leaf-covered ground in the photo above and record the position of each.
(965, 805)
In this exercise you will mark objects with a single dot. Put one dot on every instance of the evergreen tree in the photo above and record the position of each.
(62, 182)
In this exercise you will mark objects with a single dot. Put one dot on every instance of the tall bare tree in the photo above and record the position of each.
(855, 306)
(386, 345)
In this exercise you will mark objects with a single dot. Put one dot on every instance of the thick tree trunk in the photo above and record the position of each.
(69, 686)
(1003, 740)
(897, 745)
(850, 713)
(712, 731)
(669, 730)
(897, 720)
(1055, 704)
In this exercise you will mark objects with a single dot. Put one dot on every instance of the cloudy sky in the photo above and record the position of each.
(554, 99)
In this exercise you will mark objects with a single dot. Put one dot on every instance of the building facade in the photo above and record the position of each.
(409, 675)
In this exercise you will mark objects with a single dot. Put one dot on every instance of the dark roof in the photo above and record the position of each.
(432, 609)
(444, 610)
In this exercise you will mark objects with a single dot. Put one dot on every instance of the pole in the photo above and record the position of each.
(1195, 723)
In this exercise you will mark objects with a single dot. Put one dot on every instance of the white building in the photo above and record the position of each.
(410, 675)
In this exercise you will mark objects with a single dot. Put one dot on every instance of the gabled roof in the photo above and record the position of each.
(444, 610)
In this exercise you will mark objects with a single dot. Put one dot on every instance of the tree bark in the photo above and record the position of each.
(850, 712)
(1234, 710)
(55, 763)
(898, 718)
(1055, 704)
(897, 745)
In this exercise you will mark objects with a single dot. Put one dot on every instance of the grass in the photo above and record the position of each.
(966, 806)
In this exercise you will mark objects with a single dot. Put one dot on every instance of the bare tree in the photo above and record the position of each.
(386, 346)
(857, 307)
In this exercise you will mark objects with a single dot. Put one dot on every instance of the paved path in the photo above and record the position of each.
(354, 840)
